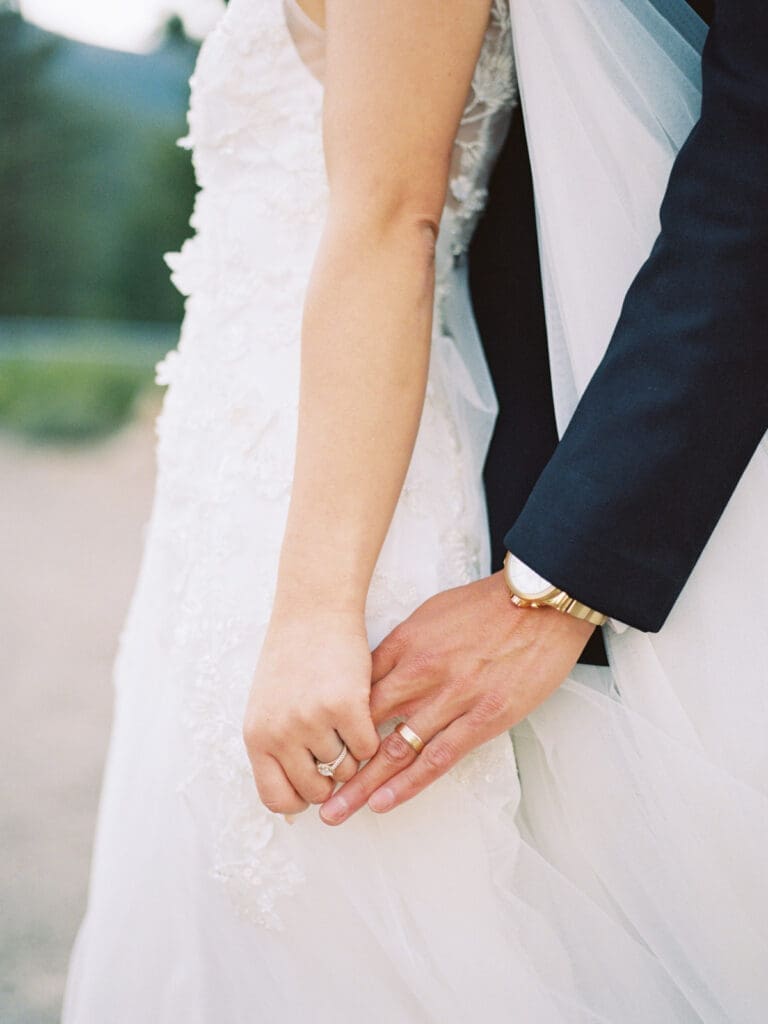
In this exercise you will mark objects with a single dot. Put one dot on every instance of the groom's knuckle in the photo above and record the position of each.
(488, 708)
(356, 792)
(440, 755)
(394, 749)
(391, 692)
(421, 664)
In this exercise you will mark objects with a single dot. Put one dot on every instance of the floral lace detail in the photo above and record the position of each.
(226, 434)
(492, 96)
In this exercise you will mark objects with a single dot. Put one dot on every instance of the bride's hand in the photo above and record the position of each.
(310, 694)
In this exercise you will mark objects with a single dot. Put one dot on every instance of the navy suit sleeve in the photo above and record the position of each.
(679, 403)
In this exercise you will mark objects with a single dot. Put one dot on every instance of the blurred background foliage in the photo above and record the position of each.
(94, 191)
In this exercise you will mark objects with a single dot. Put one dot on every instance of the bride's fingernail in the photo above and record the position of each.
(334, 810)
(381, 800)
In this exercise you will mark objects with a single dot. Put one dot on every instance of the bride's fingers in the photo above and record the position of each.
(300, 767)
(275, 790)
(327, 750)
(439, 755)
(348, 767)
(356, 728)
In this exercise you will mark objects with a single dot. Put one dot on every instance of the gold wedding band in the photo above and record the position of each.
(410, 737)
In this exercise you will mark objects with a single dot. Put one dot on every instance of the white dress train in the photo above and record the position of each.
(601, 863)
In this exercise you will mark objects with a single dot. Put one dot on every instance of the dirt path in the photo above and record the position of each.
(70, 534)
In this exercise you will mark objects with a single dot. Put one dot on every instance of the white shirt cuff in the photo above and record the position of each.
(616, 626)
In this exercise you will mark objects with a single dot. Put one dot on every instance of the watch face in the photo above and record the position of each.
(526, 580)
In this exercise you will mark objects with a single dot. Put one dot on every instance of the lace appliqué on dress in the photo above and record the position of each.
(492, 96)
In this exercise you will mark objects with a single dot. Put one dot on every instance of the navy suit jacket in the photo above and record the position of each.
(618, 511)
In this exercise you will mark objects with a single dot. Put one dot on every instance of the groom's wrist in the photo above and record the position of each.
(529, 589)
(567, 543)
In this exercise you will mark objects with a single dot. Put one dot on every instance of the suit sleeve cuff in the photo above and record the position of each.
(563, 543)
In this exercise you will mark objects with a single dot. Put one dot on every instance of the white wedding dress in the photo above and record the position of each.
(604, 862)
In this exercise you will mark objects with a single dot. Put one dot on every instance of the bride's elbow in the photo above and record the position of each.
(382, 216)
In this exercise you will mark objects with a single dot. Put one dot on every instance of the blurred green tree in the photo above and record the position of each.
(92, 186)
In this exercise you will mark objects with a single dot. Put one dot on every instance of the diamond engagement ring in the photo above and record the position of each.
(327, 768)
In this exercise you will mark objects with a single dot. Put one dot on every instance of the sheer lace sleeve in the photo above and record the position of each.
(484, 124)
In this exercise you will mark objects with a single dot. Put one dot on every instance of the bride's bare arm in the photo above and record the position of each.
(397, 77)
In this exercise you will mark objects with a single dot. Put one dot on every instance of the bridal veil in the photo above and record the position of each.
(677, 839)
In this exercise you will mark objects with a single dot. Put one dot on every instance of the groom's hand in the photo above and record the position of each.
(464, 667)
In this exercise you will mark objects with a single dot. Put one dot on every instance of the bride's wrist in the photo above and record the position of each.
(311, 583)
(295, 626)
(308, 600)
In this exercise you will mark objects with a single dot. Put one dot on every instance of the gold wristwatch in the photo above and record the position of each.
(529, 590)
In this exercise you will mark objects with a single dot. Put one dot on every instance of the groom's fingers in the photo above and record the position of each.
(390, 697)
(442, 752)
(394, 754)
(386, 655)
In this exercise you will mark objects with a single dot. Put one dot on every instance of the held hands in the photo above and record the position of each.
(463, 668)
(310, 694)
